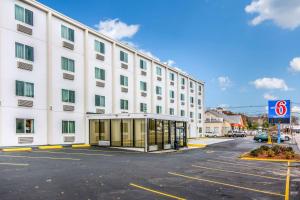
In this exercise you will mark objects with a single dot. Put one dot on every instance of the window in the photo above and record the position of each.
(67, 33)
(172, 76)
(123, 56)
(199, 88)
(143, 107)
(158, 71)
(191, 84)
(191, 115)
(171, 111)
(182, 97)
(23, 15)
(182, 81)
(182, 113)
(158, 109)
(24, 52)
(124, 104)
(99, 100)
(24, 126)
(67, 64)
(24, 89)
(68, 96)
(68, 127)
(99, 73)
(124, 80)
(158, 90)
(199, 101)
(172, 95)
(143, 64)
(199, 116)
(191, 99)
(143, 86)
(99, 47)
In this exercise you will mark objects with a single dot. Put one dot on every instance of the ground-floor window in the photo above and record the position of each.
(140, 132)
(152, 135)
(68, 127)
(116, 132)
(25, 126)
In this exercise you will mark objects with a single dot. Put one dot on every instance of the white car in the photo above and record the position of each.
(285, 137)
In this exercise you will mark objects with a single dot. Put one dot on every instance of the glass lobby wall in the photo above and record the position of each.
(127, 131)
(116, 132)
(104, 130)
(167, 139)
(94, 132)
(159, 132)
(99, 130)
(139, 131)
(152, 135)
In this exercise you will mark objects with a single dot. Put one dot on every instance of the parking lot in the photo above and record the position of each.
(214, 172)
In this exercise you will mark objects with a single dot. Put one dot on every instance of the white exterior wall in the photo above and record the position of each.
(47, 76)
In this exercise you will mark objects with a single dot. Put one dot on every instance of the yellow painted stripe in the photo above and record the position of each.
(287, 183)
(70, 153)
(197, 145)
(269, 160)
(156, 192)
(16, 149)
(235, 172)
(50, 147)
(238, 164)
(15, 164)
(110, 151)
(226, 184)
(81, 146)
(31, 157)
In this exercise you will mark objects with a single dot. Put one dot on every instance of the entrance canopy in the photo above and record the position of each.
(149, 131)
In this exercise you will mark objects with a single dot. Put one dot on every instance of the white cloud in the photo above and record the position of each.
(117, 29)
(224, 82)
(295, 64)
(284, 13)
(270, 83)
(296, 109)
(170, 62)
(268, 96)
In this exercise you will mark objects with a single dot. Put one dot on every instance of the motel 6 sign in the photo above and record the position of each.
(279, 111)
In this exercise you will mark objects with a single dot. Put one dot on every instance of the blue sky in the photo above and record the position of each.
(244, 54)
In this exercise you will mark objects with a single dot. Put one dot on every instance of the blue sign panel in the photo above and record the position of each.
(279, 111)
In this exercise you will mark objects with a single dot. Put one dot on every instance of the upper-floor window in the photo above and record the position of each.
(68, 127)
(199, 101)
(158, 109)
(99, 73)
(24, 52)
(191, 115)
(172, 94)
(191, 99)
(182, 113)
(172, 76)
(25, 126)
(191, 85)
(99, 100)
(67, 33)
(99, 47)
(24, 89)
(143, 86)
(199, 88)
(182, 97)
(158, 90)
(199, 116)
(124, 104)
(143, 64)
(23, 15)
(171, 111)
(124, 80)
(143, 107)
(158, 71)
(123, 56)
(182, 81)
(67, 64)
(68, 96)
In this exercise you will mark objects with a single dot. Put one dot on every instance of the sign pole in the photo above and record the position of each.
(278, 135)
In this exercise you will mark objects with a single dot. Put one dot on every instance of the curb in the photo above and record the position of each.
(81, 146)
(16, 149)
(269, 160)
(50, 147)
(197, 145)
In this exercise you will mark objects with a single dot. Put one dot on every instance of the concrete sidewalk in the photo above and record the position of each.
(207, 141)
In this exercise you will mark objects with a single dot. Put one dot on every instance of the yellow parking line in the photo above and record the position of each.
(226, 184)
(287, 183)
(15, 164)
(235, 172)
(51, 158)
(70, 153)
(112, 151)
(156, 192)
(238, 164)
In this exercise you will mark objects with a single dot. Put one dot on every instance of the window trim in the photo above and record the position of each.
(68, 127)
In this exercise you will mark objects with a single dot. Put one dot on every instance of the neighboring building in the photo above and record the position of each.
(61, 82)
(218, 123)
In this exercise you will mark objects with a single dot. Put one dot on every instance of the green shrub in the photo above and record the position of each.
(276, 149)
(264, 148)
(290, 149)
(270, 153)
(289, 155)
(254, 152)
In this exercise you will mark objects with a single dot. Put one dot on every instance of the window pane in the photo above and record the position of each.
(71, 126)
(28, 89)
(65, 95)
(102, 74)
(64, 126)
(64, 32)
(20, 126)
(102, 101)
(29, 126)
(102, 48)
(71, 65)
(29, 17)
(19, 88)
(19, 48)
(29, 53)
(71, 34)
(19, 13)
(64, 63)
(72, 96)
(97, 100)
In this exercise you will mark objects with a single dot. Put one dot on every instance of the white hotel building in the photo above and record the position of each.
(62, 82)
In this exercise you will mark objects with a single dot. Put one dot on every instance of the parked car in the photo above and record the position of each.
(284, 137)
(210, 134)
(236, 134)
(261, 137)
